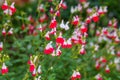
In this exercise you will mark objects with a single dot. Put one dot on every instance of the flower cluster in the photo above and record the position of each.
(80, 43)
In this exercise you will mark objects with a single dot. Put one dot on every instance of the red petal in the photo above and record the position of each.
(4, 7)
(60, 40)
(32, 67)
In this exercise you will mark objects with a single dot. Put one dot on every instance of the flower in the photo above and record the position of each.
(47, 37)
(88, 20)
(4, 32)
(98, 77)
(58, 51)
(5, 5)
(64, 26)
(49, 49)
(10, 32)
(117, 40)
(110, 23)
(34, 73)
(69, 43)
(64, 45)
(95, 17)
(53, 31)
(97, 65)
(10, 10)
(51, 10)
(83, 28)
(41, 8)
(32, 67)
(63, 5)
(57, 13)
(103, 60)
(107, 70)
(82, 50)
(60, 39)
(97, 33)
(75, 20)
(1, 46)
(75, 75)
(100, 11)
(40, 28)
(53, 23)
(4, 69)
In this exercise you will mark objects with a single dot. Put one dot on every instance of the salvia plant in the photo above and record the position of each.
(40, 43)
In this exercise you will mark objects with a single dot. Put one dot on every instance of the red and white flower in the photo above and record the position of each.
(83, 29)
(115, 24)
(75, 75)
(51, 10)
(1, 46)
(60, 4)
(41, 8)
(97, 33)
(100, 11)
(110, 23)
(103, 60)
(49, 49)
(10, 32)
(97, 65)
(40, 28)
(10, 10)
(105, 31)
(82, 50)
(75, 21)
(117, 40)
(53, 23)
(53, 31)
(95, 17)
(4, 32)
(118, 53)
(34, 73)
(31, 19)
(98, 77)
(57, 13)
(69, 43)
(60, 39)
(64, 45)
(107, 70)
(5, 5)
(88, 20)
(47, 36)
(63, 5)
(58, 51)
(4, 69)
